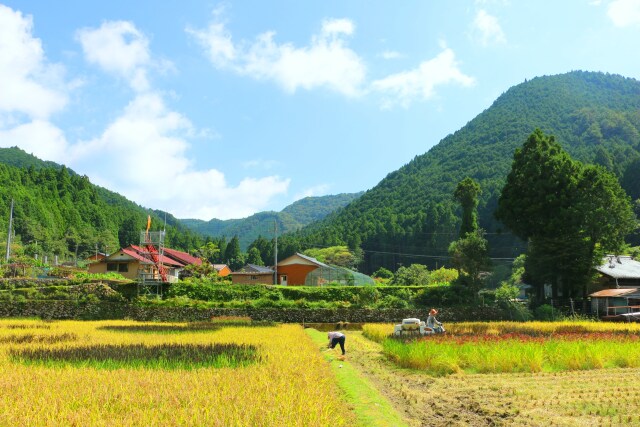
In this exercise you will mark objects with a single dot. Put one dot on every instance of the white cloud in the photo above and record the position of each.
(217, 42)
(262, 164)
(317, 190)
(624, 13)
(338, 26)
(28, 84)
(119, 48)
(143, 155)
(325, 62)
(486, 30)
(403, 88)
(40, 138)
(390, 54)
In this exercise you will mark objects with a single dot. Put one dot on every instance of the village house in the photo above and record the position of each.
(134, 262)
(619, 283)
(252, 274)
(292, 271)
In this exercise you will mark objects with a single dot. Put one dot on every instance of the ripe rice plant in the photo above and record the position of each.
(170, 328)
(34, 338)
(503, 347)
(288, 382)
(162, 356)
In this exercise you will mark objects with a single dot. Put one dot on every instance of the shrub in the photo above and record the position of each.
(546, 312)
(382, 273)
(391, 301)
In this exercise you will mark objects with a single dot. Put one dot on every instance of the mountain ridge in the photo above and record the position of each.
(411, 216)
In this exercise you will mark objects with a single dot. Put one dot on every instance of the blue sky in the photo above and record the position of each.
(223, 109)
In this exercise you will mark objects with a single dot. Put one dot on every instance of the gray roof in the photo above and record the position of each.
(620, 267)
(252, 268)
(313, 260)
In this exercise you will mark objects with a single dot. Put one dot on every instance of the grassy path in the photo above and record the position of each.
(371, 407)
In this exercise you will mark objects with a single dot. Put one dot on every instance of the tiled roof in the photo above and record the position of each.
(614, 292)
(183, 257)
(219, 267)
(305, 257)
(140, 254)
(620, 267)
(254, 269)
(135, 254)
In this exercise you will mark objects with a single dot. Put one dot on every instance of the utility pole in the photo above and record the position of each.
(9, 233)
(275, 252)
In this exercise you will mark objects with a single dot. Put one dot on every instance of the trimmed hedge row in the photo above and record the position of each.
(110, 310)
(357, 296)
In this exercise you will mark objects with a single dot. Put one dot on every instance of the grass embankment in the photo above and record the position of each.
(371, 408)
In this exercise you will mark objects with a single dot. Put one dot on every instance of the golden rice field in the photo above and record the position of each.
(594, 397)
(509, 347)
(123, 373)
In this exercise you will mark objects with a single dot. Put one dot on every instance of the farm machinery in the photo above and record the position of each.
(412, 327)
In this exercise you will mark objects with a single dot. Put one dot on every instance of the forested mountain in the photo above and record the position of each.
(411, 217)
(292, 218)
(66, 214)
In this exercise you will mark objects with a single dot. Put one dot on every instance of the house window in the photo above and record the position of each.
(254, 277)
(123, 268)
(112, 266)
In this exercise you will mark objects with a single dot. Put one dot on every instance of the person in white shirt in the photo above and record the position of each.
(433, 323)
(336, 338)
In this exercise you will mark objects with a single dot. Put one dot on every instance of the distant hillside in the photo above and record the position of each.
(17, 157)
(594, 116)
(291, 218)
(66, 214)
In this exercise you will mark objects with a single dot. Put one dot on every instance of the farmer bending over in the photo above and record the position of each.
(336, 338)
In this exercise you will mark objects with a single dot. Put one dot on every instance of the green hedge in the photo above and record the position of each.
(338, 296)
(112, 310)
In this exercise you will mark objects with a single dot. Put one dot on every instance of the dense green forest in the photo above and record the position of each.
(293, 217)
(411, 215)
(58, 212)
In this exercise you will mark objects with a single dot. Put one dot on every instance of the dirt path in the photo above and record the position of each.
(424, 400)
(600, 397)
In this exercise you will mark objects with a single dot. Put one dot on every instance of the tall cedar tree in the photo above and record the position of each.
(570, 214)
(467, 193)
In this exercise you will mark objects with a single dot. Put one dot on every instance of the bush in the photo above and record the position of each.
(391, 301)
(546, 312)
(382, 273)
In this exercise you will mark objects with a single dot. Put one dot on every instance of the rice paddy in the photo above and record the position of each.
(509, 347)
(109, 374)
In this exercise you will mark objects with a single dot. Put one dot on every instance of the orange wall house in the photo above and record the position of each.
(294, 270)
(222, 269)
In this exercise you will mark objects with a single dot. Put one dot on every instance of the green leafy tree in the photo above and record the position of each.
(234, 257)
(334, 255)
(383, 273)
(209, 252)
(467, 193)
(469, 255)
(414, 275)
(253, 257)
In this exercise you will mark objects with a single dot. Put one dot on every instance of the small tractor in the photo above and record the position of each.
(412, 327)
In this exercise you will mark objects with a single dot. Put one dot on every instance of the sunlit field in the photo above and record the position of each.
(131, 373)
(508, 347)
